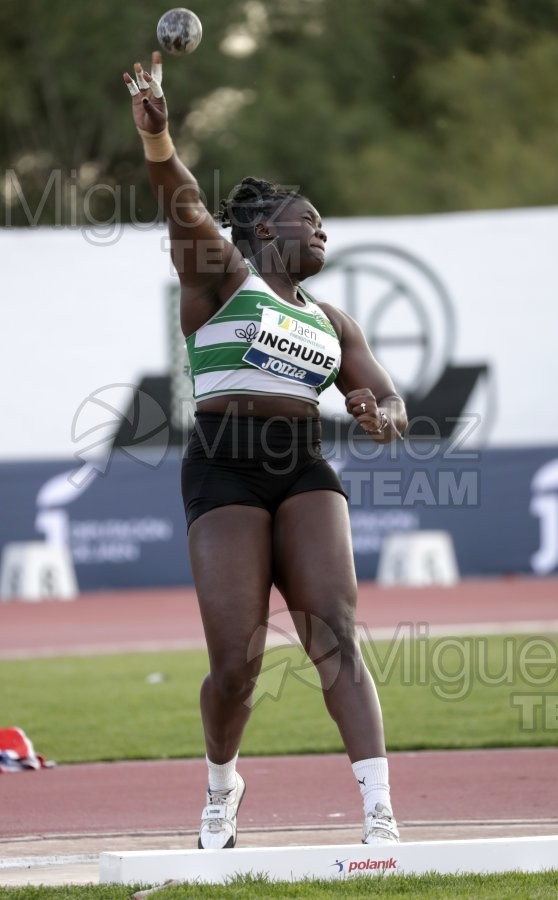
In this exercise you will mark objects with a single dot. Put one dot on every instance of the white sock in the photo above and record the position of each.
(373, 780)
(221, 777)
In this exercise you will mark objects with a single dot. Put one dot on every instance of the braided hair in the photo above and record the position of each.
(249, 203)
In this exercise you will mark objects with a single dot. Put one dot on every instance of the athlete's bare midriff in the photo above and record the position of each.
(262, 406)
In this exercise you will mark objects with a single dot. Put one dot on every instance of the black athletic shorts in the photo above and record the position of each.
(252, 462)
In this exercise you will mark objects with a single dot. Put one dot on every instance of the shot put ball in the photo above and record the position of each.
(179, 31)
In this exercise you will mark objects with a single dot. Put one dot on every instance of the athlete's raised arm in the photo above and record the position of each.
(209, 266)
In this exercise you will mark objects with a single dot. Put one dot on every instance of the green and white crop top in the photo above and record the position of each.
(257, 343)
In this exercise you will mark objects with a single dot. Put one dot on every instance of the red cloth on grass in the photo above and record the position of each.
(17, 752)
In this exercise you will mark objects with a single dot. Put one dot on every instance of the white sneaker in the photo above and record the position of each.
(380, 827)
(218, 824)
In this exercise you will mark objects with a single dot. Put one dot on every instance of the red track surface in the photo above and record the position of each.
(169, 617)
(289, 792)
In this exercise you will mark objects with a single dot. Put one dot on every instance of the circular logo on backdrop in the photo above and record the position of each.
(408, 319)
(403, 307)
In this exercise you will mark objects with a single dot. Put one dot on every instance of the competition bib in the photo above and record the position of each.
(289, 348)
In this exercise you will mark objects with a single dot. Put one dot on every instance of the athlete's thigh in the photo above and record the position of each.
(231, 558)
(313, 556)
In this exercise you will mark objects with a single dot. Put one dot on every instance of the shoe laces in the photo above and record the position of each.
(217, 798)
(381, 812)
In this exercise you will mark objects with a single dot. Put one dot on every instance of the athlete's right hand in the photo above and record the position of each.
(148, 101)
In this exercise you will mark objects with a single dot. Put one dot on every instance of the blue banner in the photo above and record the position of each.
(125, 525)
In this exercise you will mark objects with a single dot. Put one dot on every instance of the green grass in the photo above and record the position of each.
(499, 887)
(435, 694)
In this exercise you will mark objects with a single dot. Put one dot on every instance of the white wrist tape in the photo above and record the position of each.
(157, 147)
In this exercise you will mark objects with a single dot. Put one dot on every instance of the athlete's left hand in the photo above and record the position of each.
(362, 405)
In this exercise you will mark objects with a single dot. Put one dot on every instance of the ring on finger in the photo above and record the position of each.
(363, 407)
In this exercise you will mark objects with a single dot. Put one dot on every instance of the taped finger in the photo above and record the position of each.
(132, 87)
(156, 88)
(157, 72)
(142, 83)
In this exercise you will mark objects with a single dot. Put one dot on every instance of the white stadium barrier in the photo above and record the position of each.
(418, 558)
(524, 854)
(37, 570)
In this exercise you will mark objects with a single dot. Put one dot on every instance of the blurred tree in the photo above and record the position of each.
(370, 106)
(69, 150)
